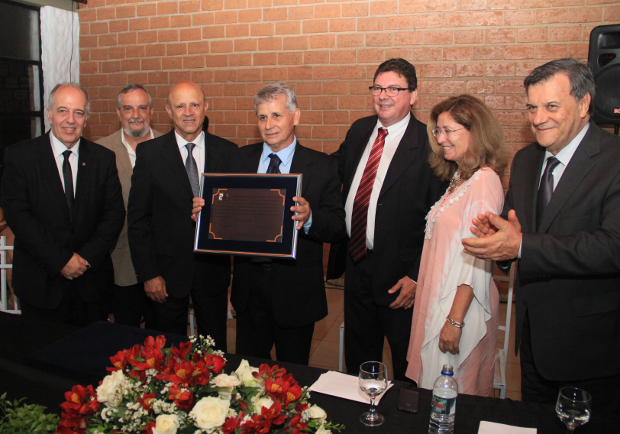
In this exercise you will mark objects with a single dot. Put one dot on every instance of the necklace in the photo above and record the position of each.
(454, 182)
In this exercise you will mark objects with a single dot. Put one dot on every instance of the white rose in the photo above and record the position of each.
(244, 373)
(210, 412)
(166, 424)
(316, 412)
(261, 401)
(110, 386)
(322, 430)
(228, 381)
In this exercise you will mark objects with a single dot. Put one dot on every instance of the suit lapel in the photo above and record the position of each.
(83, 176)
(122, 156)
(357, 154)
(212, 157)
(50, 170)
(578, 168)
(251, 164)
(530, 180)
(299, 164)
(172, 156)
(404, 155)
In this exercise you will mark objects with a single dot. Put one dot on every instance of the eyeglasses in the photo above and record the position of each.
(389, 91)
(438, 131)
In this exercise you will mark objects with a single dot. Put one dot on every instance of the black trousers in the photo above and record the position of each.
(210, 309)
(366, 323)
(130, 304)
(258, 331)
(71, 310)
(605, 391)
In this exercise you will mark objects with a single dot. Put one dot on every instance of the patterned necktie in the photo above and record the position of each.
(192, 169)
(545, 191)
(359, 216)
(274, 164)
(67, 176)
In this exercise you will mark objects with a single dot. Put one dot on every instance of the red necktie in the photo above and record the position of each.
(359, 216)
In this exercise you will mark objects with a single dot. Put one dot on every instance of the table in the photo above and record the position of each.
(46, 386)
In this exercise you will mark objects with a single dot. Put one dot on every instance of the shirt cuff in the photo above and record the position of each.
(308, 224)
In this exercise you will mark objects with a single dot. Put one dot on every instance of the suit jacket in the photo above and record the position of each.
(569, 272)
(299, 291)
(160, 230)
(124, 273)
(408, 192)
(45, 235)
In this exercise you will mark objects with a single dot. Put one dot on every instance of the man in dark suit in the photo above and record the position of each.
(563, 210)
(62, 199)
(278, 300)
(161, 234)
(387, 155)
(134, 107)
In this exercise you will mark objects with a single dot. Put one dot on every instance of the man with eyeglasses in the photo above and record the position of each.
(388, 188)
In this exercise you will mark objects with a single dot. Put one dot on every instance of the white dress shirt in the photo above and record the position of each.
(199, 150)
(395, 134)
(130, 151)
(58, 148)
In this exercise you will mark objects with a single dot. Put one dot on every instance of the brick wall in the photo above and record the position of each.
(328, 52)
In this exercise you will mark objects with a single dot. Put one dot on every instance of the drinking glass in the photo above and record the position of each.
(373, 382)
(573, 407)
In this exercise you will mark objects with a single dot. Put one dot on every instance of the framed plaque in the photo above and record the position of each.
(248, 214)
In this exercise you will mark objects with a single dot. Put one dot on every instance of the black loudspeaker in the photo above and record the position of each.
(604, 61)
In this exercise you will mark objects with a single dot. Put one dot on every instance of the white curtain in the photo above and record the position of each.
(60, 49)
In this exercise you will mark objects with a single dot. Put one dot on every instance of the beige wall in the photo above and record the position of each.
(327, 51)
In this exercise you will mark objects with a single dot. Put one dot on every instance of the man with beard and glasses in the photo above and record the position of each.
(135, 111)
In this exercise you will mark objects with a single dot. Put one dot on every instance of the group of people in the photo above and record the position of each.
(418, 211)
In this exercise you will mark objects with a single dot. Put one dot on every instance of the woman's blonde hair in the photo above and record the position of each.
(486, 147)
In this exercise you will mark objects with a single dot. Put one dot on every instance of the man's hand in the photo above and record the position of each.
(482, 227)
(197, 205)
(502, 245)
(156, 289)
(75, 268)
(449, 338)
(303, 211)
(406, 297)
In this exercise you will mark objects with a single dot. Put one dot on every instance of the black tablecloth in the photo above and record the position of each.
(82, 353)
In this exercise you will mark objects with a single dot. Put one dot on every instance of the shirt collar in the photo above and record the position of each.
(397, 128)
(565, 155)
(58, 147)
(286, 154)
(199, 141)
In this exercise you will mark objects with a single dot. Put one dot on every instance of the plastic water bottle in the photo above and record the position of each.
(443, 406)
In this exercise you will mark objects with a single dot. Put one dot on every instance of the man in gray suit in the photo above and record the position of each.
(562, 210)
(135, 111)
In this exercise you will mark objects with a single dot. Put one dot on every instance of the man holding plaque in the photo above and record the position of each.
(388, 155)
(278, 300)
(161, 236)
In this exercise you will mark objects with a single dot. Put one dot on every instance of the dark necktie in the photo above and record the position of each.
(67, 176)
(359, 215)
(545, 191)
(274, 164)
(192, 169)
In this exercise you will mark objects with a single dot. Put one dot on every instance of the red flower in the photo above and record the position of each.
(80, 401)
(146, 400)
(149, 427)
(119, 361)
(182, 352)
(187, 374)
(182, 398)
(231, 424)
(216, 363)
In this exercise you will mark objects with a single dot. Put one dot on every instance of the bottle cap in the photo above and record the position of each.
(447, 370)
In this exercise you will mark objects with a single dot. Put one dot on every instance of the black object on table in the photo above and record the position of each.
(42, 360)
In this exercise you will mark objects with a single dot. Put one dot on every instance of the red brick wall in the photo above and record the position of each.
(328, 52)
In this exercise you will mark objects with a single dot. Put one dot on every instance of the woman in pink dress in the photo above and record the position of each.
(456, 304)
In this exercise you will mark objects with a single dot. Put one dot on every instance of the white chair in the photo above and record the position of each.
(4, 297)
(501, 354)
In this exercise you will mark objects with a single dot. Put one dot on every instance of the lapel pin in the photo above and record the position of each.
(83, 164)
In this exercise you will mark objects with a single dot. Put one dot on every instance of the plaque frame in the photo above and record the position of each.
(221, 182)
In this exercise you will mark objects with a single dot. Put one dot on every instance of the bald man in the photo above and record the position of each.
(161, 234)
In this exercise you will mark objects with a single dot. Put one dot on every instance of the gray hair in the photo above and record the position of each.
(579, 75)
(272, 91)
(52, 98)
(131, 88)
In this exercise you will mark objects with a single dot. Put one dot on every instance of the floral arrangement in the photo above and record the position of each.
(156, 390)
